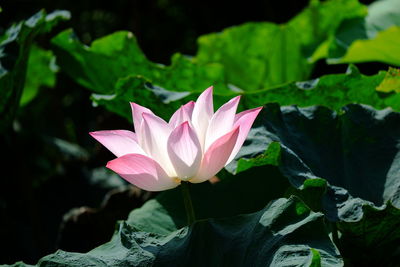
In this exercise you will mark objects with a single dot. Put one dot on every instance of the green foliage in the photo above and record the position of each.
(41, 72)
(261, 55)
(277, 235)
(116, 56)
(15, 46)
(164, 89)
(271, 156)
(241, 59)
(334, 158)
(374, 49)
(333, 91)
(374, 37)
(374, 240)
(355, 151)
(391, 82)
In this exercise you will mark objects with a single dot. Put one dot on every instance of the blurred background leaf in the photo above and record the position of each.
(374, 37)
(41, 71)
(15, 45)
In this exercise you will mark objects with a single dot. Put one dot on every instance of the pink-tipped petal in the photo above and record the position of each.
(153, 139)
(119, 142)
(244, 120)
(143, 172)
(202, 112)
(137, 111)
(184, 113)
(216, 156)
(222, 121)
(184, 151)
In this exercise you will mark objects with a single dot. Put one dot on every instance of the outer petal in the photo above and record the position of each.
(153, 138)
(244, 120)
(216, 156)
(119, 142)
(184, 151)
(137, 111)
(202, 113)
(184, 113)
(143, 172)
(222, 121)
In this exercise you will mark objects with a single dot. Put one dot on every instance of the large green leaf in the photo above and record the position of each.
(285, 233)
(15, 46)
(374, 240)
(118, 55)
(333, 91)
(241, 59)
(374, 37)
(246, 192)
(356, 151)
(261, 55)
(384, 47)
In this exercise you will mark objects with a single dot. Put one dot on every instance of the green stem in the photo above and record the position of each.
(187, 200)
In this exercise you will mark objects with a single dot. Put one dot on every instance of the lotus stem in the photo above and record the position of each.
(187, 200)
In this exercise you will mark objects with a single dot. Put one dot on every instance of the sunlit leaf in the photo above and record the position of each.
(391, 82)
(374, 37)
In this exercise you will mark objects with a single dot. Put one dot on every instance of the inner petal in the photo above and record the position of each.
(222, 121)
(184, 151)
(153, 139)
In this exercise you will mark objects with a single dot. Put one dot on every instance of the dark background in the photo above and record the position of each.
(42, 179)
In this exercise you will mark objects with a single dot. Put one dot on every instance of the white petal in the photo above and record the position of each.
(184, 151)
(119, 142)
(244, 120)
(137, 111)
(153, 139)
(184, 113)
(216, 156)
(222, 121)
(143, 172)
(202, 113)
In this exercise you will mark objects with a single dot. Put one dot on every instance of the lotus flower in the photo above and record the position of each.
(193, 146)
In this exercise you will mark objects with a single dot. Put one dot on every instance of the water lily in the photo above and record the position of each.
(193, 146)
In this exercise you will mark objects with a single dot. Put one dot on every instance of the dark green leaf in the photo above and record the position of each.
(15, 46)
(246, 192)
(356, 151)
(374, 240)
(284, 233)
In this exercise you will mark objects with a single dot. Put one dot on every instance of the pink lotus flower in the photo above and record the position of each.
(193, 146)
